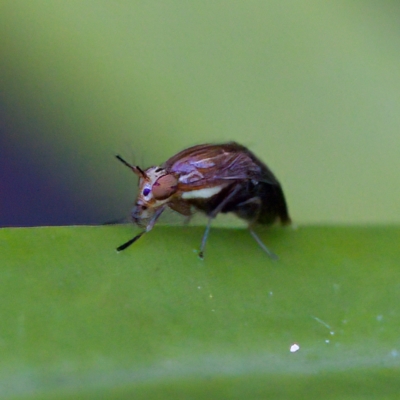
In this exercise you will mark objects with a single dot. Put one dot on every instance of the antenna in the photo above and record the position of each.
(137, 170)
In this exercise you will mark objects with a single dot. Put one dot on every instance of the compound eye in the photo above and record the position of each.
(164, 187)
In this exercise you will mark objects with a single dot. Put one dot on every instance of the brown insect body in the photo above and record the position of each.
(213, 179)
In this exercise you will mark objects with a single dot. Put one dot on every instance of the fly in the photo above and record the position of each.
(212, 178)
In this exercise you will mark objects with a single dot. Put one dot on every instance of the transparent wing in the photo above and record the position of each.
(210, 165)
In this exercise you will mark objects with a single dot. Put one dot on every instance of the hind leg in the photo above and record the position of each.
(250, 211)
(270, 253)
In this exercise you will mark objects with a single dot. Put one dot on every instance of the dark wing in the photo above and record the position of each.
(210, 164)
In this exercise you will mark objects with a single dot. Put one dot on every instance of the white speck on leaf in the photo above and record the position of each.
(294, 347)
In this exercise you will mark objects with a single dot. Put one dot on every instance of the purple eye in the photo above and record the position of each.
(146, 192)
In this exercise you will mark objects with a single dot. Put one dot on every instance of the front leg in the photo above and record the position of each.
(148, 228)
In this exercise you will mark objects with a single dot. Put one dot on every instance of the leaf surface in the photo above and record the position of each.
(79, 320)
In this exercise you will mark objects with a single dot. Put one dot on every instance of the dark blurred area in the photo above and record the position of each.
(29, 195)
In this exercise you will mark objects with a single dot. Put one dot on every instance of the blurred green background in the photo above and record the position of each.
(313, 88)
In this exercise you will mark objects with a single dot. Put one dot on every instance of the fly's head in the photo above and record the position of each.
(156, 187)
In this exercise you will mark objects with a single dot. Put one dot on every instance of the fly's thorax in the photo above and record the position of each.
(156, 188)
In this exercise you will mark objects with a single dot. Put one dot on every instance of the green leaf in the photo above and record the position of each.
(79, 320)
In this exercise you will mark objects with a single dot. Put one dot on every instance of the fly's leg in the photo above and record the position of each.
(213, 214)
(131, 241)
(204, 239)
(155, 217)
(270, 253)
(148, 228)
(250, 210)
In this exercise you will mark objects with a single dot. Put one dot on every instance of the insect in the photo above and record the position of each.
(212, 178)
